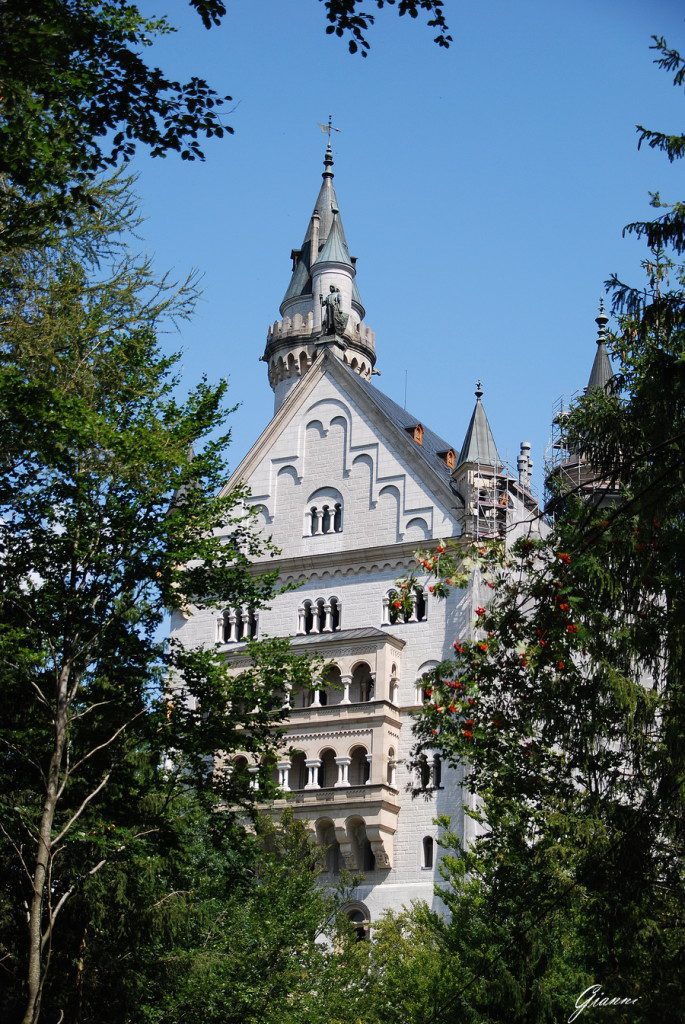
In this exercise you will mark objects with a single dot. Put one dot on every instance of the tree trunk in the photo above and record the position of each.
(35, 975)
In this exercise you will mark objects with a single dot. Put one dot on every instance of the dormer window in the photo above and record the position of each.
(416, 432)
(449, 457)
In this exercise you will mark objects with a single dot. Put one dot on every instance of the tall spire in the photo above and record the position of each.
(326, 211)
(601, 372)
(322, 306)
(479, 444)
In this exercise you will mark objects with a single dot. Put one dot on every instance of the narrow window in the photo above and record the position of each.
(308, 617)
(428, 851)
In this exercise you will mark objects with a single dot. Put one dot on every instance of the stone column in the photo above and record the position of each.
(386, 611)
(343, 764)
(254, 780)
(287, 699)
(220, 628)
(316, 702)
(317, 519)
(412, 617)
(312, 765)
(301, 621)
(392, 773)
(283, 775)
(369, 761)
(233, 627)
(347, 682)
(328, 624)
(308, 530)
(316, 618)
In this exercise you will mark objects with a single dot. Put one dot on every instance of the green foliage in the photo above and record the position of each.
(346, 19)
(567, 700)
(112, 513)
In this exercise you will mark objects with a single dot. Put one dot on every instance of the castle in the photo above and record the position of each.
(349, 484)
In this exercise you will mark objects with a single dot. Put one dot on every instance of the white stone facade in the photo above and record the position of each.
(323, 446)
(348, 487)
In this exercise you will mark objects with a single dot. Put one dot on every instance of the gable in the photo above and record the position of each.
(334, 471)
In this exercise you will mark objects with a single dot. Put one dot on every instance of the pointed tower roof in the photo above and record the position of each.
(601, 372)
(335, 248)
(328, 212)
(479, 444)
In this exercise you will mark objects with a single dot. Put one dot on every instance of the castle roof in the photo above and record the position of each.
(479, 444)
(601, 372)
(432, 448)
(330, 230)
(335, 248)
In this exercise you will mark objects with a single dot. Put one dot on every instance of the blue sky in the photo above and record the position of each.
(483, 191)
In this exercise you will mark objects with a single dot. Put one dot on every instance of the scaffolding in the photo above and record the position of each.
(494, 499)
(568, 472)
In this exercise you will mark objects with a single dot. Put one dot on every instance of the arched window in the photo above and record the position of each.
(360, 924)
(239, 624)
(428, 851)
(328, 770)
(323, 512)
(437, 771)
(362, 688)
(395, 612)
(298, 770)
(320, 615)
(335, 613)
(360, 769)
(331, 686)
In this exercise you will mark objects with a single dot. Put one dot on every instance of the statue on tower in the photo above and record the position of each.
(334, 321)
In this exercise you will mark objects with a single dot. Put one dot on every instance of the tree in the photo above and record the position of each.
(109, 517)
(568, 702)
(78, 97)
(204, 923)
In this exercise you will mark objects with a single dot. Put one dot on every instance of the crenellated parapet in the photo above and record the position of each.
(303, 326)
(292, 345)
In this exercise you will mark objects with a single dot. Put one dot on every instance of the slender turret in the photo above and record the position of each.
(322, 305)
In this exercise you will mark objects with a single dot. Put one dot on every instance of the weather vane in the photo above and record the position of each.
(328, 128)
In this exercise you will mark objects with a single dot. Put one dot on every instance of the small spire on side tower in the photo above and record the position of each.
(601, 372)
(479, 444)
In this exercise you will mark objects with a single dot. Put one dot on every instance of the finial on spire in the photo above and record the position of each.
(328, 156)
(328, 128)
(479, 390)
(601, 320)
